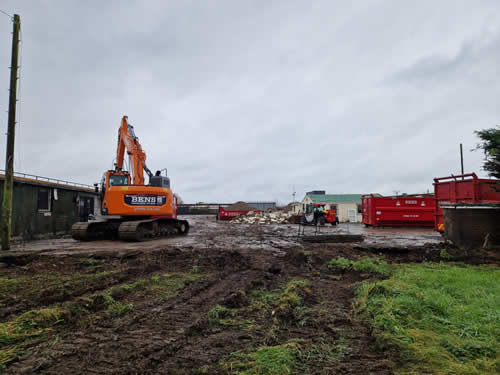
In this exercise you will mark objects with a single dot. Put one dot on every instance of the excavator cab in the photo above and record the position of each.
(114, 178)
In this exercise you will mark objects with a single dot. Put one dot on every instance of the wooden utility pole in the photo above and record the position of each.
(11, 133)
(461, 159)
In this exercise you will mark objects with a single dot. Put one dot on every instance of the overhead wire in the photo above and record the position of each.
(7, 14)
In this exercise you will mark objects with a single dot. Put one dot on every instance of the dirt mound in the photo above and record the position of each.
(240, 206)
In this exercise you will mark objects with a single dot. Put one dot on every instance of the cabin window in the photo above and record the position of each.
(118, 180)
(43, 199)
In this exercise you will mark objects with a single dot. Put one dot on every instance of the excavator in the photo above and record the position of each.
(132, 210)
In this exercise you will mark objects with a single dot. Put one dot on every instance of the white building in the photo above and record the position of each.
(294, 207)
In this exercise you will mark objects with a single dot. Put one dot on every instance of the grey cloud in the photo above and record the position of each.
(243, 100)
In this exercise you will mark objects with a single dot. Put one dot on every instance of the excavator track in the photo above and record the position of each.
(138, 230)
(95, 230)
(142, 230)
(130, 230)
(79, 231)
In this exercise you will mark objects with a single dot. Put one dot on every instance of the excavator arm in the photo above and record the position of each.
(127, 140)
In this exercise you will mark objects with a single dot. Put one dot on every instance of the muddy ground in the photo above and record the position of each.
(196, 304)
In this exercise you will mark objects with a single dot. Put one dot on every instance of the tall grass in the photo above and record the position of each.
(364, 264)
(442, 319)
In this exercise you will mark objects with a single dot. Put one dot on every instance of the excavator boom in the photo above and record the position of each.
(127, 140)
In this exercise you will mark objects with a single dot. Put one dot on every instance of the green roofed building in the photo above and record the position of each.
(348, 206)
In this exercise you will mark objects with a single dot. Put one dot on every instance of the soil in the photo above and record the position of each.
(173, 333)
(240, 206)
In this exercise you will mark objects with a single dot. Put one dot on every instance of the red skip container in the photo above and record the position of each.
(466, 188)
(398, 211)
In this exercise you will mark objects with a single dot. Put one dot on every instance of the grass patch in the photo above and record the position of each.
(442, 318)
(117, 308)
(275, 360)
(288, 296)
(322, 352)
(7, 286)
(443, 254)
(364, 264)
(285, 303)
(169, 284)
(135, 286)
(165, 285)
(294, 357)
(294, 293)
(223, 317)
(284, 306)
(217, 313)
(26, 330)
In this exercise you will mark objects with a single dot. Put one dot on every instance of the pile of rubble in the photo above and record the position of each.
(274, 217)
(240, 206)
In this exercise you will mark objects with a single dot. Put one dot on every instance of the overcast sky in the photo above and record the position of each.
(245, 100)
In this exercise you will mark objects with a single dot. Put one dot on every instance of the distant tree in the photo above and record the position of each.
(490, 144)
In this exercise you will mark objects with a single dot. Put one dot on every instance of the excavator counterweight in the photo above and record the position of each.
(131, 210)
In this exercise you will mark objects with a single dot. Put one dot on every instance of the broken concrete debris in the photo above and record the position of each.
(274, 217)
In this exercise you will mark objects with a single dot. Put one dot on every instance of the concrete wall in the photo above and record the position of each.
(28, 221)
(468, 226)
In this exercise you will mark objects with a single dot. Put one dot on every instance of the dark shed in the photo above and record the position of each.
(45, 206)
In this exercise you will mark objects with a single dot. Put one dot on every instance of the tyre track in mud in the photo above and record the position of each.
(173, 337)
(141, 341)
(127, 268)
(50, 297)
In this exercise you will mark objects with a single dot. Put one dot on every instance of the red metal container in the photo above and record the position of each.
(229, 214)
(404, 210)
(466, 188)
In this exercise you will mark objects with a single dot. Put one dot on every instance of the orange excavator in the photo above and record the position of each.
(131, 210)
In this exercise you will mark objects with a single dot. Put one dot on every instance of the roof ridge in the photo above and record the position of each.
(349, 198)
